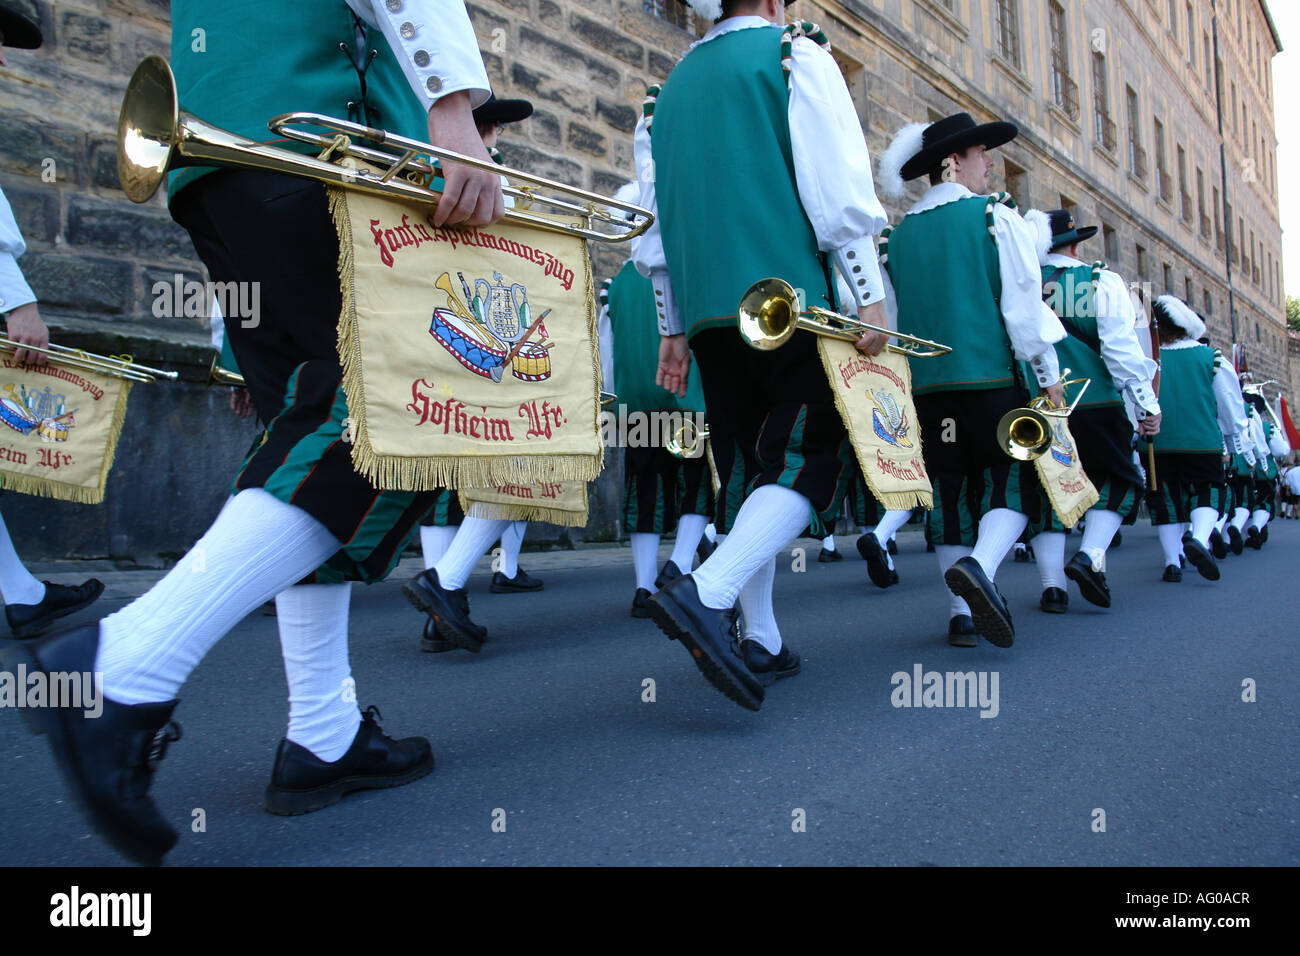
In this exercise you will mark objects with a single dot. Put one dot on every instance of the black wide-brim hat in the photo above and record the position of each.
(502, 111)
(19, 31)
(1064, 231)
(955, 134)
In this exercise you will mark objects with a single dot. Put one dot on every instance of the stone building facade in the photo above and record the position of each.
(1116, 99)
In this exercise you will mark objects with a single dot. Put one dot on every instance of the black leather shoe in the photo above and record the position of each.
(1263, 535)
(639, 608)
(107, 760)
(877, 564)
(1092, 584)
(1235, 543)
(706, 633)
(1054, 601)
(962, 633)
(767, 667)
(450, 609)
(989, 612)
(705, 548)
(1253, 538)
(29, 620)
(825, 556)
(520, 582)
(301, 782)
(1173, 574)
(1116, 541)
(432, 642)
(893, 576)
(892, 547)
(1217, 547)
(1201, 558)
(669, 572)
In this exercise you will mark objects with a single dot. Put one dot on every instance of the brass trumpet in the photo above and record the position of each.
(155, 136)
(678, 447)
(119, 366)
(1025, 433)
(768, 318)
(223, 376)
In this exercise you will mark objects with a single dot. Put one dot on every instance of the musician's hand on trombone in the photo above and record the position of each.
(674, 364)
(1055, 394)
(27, 328)
(471, 196)
(872, 343)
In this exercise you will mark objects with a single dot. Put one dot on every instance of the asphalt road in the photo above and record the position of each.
(1136, 711)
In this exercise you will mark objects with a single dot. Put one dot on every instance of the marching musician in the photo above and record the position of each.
(1096, 309)
(1202, 413)
(753, 159)
(31, 605)
(298, 508)
(662, 492)
(1270, 445)
(962, 269)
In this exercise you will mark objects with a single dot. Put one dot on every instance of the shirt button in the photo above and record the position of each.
(852, 254)
(407, 30)
(393, 5)
(421, 59)
(434, 84)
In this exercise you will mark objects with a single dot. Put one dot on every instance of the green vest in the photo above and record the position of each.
(1190, 422)
(633, 318)
(943, 264)
(1073, 297)
(729, 209)
(257, 60)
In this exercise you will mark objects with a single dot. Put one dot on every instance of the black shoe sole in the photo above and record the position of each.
(640, 612)
(964, 640)
(458, 636)
(1201, 560)
(39, 626)
(435, 646)
(1054, 608)
(286, 803)
(501, 589)
(664, 611)
(990, 622)
(1235, 544)
(1091, 594)
(768, 678)
(874, 555)
(51, 723)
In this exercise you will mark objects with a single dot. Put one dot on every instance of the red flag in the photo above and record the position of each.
(1292, 435)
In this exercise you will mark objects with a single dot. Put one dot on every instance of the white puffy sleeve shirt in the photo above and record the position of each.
(14, 290)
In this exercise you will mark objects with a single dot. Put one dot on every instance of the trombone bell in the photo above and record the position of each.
(1024, 433)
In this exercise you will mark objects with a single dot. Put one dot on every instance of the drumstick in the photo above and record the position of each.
(524, 338)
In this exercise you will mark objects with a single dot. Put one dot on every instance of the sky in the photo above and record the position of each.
(1286, 81)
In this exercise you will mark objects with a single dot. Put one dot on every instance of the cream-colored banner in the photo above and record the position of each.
(874, 397)
(58, 429)
(1062, 476)
(559, 502)
(468, 355)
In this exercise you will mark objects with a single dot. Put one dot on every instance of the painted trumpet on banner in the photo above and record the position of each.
(769, 317)
(155, 136)
(1026, 433)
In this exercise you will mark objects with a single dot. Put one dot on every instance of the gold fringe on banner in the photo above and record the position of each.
(504, 512)
(429, 473)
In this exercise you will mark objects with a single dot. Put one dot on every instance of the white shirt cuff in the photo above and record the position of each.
(857, 263)
(435, 44)
(670, 320)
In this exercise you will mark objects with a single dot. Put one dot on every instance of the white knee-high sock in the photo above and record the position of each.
(257, 547)
(1239, 518)
(1049, 547)
(768, 521)
(1171, 542)
(998, 531)
(948, 554)
(1259, 518)
(473, 539)
(17, 586)
(645, 559)
(711, 533)
(434, 542)
(512, 540)
(323, 712)
(690, 528)
(1098, 534)
(756, 606)
(1203, 523)
(828, 543)
(890, 523)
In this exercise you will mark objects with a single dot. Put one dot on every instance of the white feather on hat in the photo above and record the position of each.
(1178, 312)
(1042, 226)
(906, 144)
(710, 9)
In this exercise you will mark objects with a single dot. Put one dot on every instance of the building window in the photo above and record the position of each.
(1188, 296)
(1103, 125)
(1065, 92)
(1173, 18)
(1207, 61)
(1184, 196)
(1233, 110)
(1200, 203)
(1137, 156)
(1143, 272)
(1241, 234)
(1218, 221)
(678, 14)
(1163, 180)
(1006, 31)
(1191, 36)
(1207, 304)
(1017, 181)
(1168, 274)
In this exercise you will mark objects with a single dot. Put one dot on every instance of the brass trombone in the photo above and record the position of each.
(217, 375)
(155, 136)
(677, 445)
(119, 366)
(1025, 433)
(768, 318)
